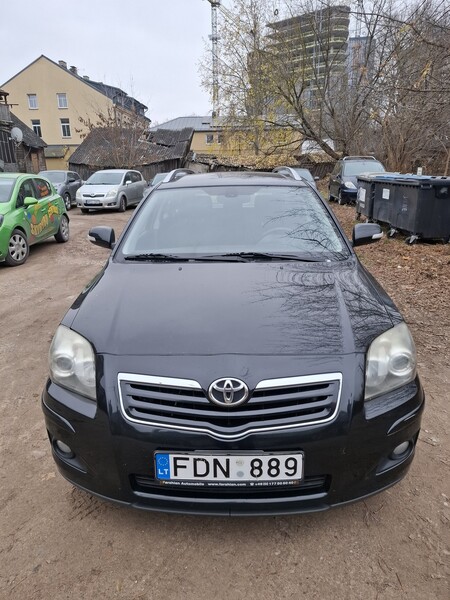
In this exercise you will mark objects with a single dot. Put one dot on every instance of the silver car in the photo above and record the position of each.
(113, 189)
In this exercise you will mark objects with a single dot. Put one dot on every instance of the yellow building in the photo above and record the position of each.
(58, 105)
(259, 146)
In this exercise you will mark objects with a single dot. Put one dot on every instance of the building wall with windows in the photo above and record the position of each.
(51, 98)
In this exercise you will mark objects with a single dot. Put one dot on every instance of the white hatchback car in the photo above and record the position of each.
(113, 189)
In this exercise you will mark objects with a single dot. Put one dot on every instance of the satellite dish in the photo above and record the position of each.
(16, 135)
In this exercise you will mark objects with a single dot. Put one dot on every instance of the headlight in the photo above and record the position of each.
(391, 361)
(350, 185)
(112, 193)
(78, 195)
(72, 362)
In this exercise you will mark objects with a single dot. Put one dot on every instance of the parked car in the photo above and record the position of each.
(66, 184)
(343, 179)
(297, 173)
(111, 188)
(30, 211)
(247, 363)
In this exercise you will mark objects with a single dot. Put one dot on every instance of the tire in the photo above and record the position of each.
(123, 204)
(67, 201)
(341, 200)
(84, 211)
(63, 232)
(18, 249)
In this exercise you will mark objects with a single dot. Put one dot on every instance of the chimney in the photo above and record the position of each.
(86, 77)
(74, 70)
(62, 63)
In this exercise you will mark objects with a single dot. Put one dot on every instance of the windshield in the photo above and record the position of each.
(234, 219)
(6, 186)
(104, 178)
(362, 166)
(54, 176)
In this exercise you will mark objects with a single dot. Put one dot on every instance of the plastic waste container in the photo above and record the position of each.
(365, 195)
(417, 205)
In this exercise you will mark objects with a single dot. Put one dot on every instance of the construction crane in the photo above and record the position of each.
(214, 37)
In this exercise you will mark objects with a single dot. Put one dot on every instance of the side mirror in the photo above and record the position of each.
(71, 180)
(29, 201)
(366, 233)
(316, 178)
(102, 236)
(127, 182)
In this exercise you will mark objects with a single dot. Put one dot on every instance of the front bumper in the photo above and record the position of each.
(99, 203)
(345, 460)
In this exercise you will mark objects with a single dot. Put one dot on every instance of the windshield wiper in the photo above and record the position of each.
(157, 257)
(269, 256)
(187, 258)
(228, 257)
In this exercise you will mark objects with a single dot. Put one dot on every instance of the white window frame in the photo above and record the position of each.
(63, 125)
(36, 124)
(30, 101)
(62, 96)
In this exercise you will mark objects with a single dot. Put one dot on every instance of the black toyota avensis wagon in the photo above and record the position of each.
(233, 357)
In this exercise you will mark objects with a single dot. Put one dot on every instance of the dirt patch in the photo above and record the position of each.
(57, 542)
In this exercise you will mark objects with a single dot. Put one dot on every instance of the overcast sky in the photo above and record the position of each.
(149, 48)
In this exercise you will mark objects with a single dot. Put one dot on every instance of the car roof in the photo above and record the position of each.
(223, 178)
(113, 171)
(16, 175)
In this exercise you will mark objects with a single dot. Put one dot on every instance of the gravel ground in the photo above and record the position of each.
(58, 542)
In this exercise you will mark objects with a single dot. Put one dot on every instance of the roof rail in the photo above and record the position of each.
(177, 174)
(359, 158)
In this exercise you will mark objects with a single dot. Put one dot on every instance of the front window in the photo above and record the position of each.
(36, 124)
(62, 100)
(105, 178)
(32, 101)
(65, 127)
(235, 219)
(6, 187)
(26, 191)
(351, 169)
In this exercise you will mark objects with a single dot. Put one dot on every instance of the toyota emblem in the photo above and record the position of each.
(228, 392)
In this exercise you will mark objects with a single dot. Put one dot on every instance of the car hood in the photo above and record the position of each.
(97, 189)
(5, 207)
(232, 308)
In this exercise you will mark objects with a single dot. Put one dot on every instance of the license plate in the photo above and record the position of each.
(229, 469)
(92, 202)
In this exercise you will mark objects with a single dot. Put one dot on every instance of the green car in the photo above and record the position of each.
(30, 211)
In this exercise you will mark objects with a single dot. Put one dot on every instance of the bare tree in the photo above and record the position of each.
(382, 91)
(121, 135)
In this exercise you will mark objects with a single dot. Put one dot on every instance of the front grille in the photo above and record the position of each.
(287, 403)
(310, 485)
(89, 196)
